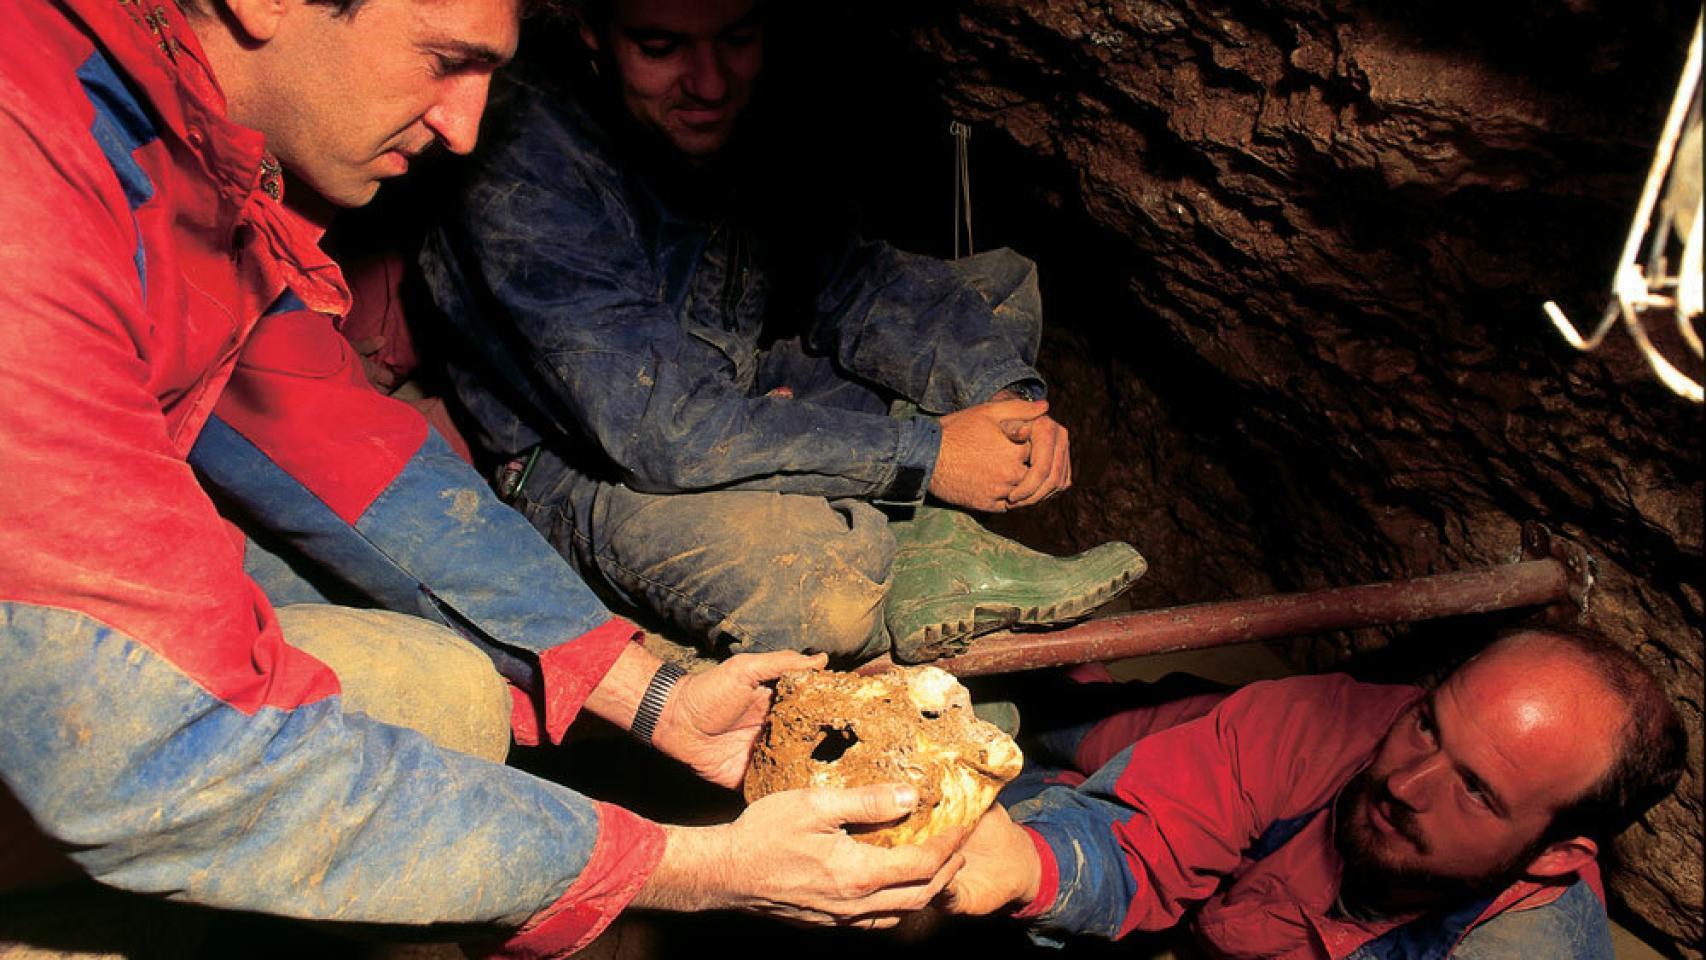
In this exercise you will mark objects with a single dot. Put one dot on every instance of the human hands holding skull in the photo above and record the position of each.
(841, 845)
(712, 718)
(789, 856)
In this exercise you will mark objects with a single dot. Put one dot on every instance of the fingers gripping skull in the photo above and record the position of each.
(909, 725)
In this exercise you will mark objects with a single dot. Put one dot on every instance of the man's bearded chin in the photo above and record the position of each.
(1372, 881)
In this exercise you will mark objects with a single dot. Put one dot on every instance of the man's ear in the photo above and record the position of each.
(257, 19)
(589, 36)
(1562, 857)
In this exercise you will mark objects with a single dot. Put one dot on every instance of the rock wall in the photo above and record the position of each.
(1294, 253)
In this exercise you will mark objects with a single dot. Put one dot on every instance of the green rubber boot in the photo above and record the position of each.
(954, 580)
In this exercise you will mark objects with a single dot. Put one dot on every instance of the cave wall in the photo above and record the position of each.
(1294, 253)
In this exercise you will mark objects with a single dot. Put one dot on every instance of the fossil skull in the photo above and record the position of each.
(913, 725)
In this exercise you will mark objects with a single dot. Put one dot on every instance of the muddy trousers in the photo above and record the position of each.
(747, 571)
(395, 668)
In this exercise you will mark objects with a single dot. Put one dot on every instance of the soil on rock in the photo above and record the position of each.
(1293, 255)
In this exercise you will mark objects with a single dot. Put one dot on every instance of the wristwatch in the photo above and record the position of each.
(651, 704)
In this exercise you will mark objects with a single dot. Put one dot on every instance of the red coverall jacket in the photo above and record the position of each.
(167, 329)
(1219, 806)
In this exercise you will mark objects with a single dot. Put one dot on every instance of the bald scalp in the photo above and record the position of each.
(1554, 679)
(1607, 691)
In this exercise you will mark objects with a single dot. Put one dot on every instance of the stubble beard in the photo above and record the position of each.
(1373, 880)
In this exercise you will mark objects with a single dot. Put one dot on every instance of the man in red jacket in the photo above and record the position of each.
(1320, 817)
(168, 726)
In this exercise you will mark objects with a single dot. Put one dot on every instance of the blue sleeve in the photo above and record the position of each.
(436, 544)
(150, 782)
(1096, 875)
(913, 325)
(302, 448)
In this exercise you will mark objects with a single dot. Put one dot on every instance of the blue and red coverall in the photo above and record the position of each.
(168, 329)
(1221, 805)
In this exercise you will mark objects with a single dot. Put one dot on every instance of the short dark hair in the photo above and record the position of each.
(1648, 761)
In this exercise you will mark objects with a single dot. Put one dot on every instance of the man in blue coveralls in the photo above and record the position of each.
(749, 467)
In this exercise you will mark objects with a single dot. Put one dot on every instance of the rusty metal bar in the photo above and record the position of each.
(1563, 576)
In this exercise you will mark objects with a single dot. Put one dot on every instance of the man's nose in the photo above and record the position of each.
(1412, 783)
(706, 79)
(455, 118)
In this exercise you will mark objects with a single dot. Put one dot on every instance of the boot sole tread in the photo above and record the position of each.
(945, 638)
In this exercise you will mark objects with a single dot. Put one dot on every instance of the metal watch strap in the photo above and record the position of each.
(651, 705)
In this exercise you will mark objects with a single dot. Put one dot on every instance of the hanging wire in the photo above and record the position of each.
(1643, 284)
(962, 185)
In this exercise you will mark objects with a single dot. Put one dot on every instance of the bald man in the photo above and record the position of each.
(1322, 817)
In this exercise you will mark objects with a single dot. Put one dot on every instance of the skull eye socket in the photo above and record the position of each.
(834, 742)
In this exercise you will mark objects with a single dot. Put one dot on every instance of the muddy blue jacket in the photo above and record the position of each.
(614, 301)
